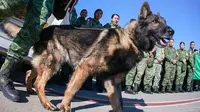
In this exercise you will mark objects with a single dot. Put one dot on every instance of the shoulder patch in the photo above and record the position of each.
(163, 51)
(190, 52)
(187, 54)
(177, 53)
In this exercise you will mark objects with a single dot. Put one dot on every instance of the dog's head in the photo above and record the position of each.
(152, 29)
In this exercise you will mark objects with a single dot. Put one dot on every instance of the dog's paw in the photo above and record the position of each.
(49, 106)
(65, 108)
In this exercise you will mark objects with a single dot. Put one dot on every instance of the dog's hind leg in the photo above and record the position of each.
(44, 73)
(30, 75)
(113, 95)
(79, 76)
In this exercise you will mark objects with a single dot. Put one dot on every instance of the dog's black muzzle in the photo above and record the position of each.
(170, 31)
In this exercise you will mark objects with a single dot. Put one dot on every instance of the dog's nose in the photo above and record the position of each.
(170, 30)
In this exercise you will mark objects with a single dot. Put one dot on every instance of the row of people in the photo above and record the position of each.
(161, 68)
(93, 22)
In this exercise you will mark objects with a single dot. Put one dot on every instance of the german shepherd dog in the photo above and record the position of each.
(110, 53)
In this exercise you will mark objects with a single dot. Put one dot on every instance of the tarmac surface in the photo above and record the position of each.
(87, 101)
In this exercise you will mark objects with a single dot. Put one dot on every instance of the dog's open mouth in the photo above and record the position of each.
(162, 42)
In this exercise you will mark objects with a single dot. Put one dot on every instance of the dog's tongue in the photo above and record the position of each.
(162, 42)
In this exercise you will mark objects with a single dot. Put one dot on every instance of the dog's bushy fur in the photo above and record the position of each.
(110, 53)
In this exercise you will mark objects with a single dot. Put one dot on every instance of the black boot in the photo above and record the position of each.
(6, 84)
(129, 89)
(147, 89)
(189, 89)
(180, 88)
(156, 90)
(163, 89)
(169, 90)
(177, 88)
(196, 86)
(135, 88)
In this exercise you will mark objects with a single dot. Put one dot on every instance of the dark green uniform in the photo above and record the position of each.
(170, 68)
(77, 22)
(182, 56)
(91, 23)
(38, 11)
(190, 66)
(155, 70)
(141, 66)
(36, 16)
(111, 25)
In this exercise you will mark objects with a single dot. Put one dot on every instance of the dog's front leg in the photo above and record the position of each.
(118, 79)
(113, 95)
(78, 77)
(30, 75)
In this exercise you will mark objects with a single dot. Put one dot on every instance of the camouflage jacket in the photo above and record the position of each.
(181, 55)
(91, 23)
(73, 17)
(191, 57)
(159, 53)
(170, 54)
(111, 25)
(80, 22)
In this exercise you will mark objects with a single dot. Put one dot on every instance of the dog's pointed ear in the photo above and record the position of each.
(144, 10)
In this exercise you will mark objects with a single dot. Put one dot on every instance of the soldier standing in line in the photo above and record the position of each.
(155, 70)
(182, 57)
(170, 67)
(129, 80)
(190, 67)
(141, 67)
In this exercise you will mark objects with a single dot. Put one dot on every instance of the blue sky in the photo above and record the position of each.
(182, 15)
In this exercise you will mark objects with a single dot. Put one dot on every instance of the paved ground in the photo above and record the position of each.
(86, 101)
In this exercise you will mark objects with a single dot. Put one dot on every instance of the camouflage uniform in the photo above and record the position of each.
(181, 69)
(77, 22)
(155, 70)
(134, 76)
(170, 68)
(141, 66)
(130, 77)
(190, 72)
(91, 23)
(111, 25)
(37, 13)
(129, 80)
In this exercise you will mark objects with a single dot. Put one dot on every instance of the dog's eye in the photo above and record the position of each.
(154, 21)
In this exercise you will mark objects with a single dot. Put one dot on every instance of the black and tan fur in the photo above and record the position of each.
(110, 53)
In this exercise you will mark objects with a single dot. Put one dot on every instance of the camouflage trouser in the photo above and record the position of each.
(141, 66)
(37, 13)
(10, 7)
(169, 76)
(180, 75)
(130, 77)
(190, 76)
(153, 72)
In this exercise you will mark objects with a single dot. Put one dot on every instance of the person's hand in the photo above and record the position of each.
(184, 61)
(159, 59)
(174, 61)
